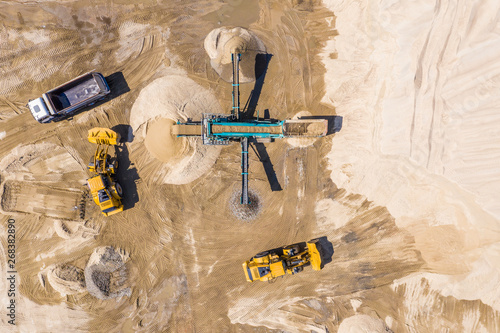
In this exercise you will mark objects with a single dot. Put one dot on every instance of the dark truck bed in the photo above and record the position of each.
(77, 91)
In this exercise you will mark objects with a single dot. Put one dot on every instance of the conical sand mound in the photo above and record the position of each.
(221, 42)
(162, 156)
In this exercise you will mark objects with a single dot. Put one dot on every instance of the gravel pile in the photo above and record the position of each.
(106, 273)
(245, 212)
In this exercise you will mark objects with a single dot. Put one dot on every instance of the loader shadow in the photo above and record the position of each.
(127, 172)
(325, 249)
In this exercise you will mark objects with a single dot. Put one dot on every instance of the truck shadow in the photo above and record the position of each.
(117, 84)
(127, 172)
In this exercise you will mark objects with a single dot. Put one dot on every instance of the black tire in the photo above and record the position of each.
(119, 189)
(261, 254)
(294, 247)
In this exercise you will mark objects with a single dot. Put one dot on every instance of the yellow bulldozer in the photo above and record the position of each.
(106, 191)
(291, 259)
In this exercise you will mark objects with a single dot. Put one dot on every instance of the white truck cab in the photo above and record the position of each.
(39, 110)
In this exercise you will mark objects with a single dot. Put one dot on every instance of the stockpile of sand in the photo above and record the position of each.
(160, 154)
(106, 273)
(417, 87)
(301, 142)
(221, 42)
(66, 279)
(162, 143)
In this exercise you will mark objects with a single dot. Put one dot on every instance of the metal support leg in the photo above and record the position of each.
(244, 171)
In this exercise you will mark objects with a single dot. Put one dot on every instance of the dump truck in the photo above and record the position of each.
(291, 259)
(106, 191)
(69, 97)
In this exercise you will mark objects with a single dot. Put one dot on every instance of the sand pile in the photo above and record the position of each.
(161, 155)
(162, 143)
(221, 42)
(417, 88)
(302, 142)
(66, 279)
(106, 273)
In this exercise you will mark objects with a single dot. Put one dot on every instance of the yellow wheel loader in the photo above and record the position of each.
(291, 259)
(106, 191)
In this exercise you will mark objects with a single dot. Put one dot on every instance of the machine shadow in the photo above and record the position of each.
(261, 64)
(261, 152)
(127, 172)
(117, 85)
(325, 250)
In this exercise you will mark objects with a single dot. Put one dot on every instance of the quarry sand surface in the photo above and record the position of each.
(406, 192)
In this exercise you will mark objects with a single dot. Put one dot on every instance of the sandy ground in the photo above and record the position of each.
(406, 192)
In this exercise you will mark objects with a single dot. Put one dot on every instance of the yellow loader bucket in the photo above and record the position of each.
(315, 255)
(103, 136)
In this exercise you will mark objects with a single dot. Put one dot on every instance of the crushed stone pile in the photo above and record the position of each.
(245, 212)
(106, 273)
